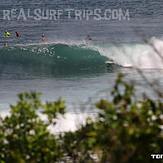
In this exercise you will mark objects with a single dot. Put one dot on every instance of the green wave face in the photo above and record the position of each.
(59, 55)
(56, 58)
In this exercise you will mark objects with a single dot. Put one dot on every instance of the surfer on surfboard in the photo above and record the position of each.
(17, 34)
(6, 35)
(88, 39)
(43, 38)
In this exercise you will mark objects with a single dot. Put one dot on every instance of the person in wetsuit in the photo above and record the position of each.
(17, 34)
(6, 35)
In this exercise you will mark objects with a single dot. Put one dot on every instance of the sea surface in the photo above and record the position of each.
(71, 66)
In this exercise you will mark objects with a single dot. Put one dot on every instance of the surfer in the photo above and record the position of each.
(17, 34)
(43, 38)
(6, 35)
(88, 38)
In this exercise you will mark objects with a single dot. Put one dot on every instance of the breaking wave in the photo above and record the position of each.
(70, 55)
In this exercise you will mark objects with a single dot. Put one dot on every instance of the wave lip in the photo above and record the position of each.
(143, 56)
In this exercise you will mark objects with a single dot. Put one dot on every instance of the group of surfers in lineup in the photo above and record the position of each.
(7, 34)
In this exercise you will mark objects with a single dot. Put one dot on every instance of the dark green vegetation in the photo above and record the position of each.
(126, 130)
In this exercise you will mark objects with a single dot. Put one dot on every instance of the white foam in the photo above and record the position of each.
(64, 123)
(70, 122)
(136, 55)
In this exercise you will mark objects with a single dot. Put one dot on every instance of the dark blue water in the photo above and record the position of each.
(145, 18)
(70, 66)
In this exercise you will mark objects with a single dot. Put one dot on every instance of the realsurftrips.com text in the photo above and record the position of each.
(50, 14)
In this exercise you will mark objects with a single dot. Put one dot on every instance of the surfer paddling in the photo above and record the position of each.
(17, 34)
(88, 39)
(43, 38)
(6, 36)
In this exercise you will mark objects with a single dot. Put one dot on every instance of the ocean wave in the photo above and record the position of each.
(56, 54)
(85, 55)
